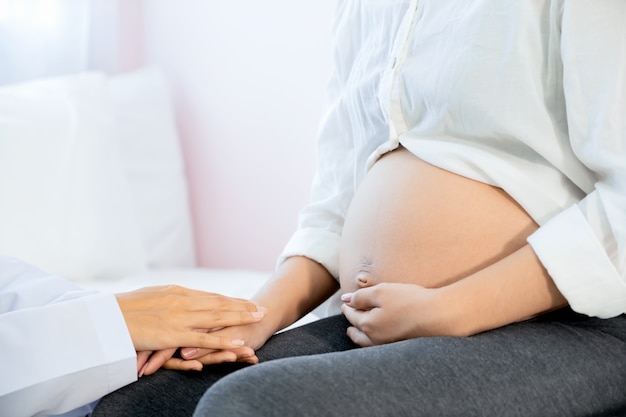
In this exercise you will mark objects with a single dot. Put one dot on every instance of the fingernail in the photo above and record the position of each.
(187, 353)
(142, 370)
(259, 307)
(237, 342)
(347, 297)
(258, 314)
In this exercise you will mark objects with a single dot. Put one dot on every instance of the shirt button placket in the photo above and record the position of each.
(397, 124)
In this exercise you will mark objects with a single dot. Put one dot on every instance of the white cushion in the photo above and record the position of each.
(65, 204)
(152, 159)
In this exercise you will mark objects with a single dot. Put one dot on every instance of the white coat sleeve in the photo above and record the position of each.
(584, 247)
(62, 347)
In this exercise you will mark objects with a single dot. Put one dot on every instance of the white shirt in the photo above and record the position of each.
(529, 96)
(61, 347)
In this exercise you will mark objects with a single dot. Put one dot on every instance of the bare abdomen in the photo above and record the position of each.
(412, 222)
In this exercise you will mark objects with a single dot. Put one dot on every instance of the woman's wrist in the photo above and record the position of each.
(452, 312)
(447, 315)
(272, 322)
(514, 289)
(298, 286)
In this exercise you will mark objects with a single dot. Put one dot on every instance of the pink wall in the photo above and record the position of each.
(248, 80)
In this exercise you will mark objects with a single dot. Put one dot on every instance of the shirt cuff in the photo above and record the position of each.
(117, 346)
(319, 245)
(579, 265)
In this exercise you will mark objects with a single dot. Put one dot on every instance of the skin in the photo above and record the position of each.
(480, 302)
(424, 253)
(307, 283)
(163, 318)
(388, 312)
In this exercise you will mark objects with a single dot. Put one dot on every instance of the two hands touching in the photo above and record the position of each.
(162, 319)
(206, 328)
(212, 328)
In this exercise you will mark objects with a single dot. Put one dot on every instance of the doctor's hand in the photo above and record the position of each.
(167, 317)
(389, 312)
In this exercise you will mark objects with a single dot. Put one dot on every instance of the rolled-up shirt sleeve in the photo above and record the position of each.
(354, 128)
(62, 347)
(321, 221)
(584, 247)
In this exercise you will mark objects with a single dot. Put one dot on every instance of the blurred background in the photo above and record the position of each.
(247, 82)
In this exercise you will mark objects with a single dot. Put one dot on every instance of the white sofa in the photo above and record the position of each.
(93, 185)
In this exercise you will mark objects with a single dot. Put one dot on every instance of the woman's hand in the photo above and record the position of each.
(167, 317)
(165, 358)
(389, 312)
(253, 335)
(142, 359)
(195, 358)
(298, 286)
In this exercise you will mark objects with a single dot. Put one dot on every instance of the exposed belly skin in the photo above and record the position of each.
(412, 222)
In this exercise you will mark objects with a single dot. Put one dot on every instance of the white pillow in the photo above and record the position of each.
(65, 204)
(151, 154)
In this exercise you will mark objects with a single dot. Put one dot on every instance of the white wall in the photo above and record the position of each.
(248, 80)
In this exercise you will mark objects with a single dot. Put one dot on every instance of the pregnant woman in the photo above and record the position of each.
(470, 205)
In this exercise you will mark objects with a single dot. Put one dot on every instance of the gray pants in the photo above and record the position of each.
(561, 364)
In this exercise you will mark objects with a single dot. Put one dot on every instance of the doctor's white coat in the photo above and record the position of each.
(62, 347)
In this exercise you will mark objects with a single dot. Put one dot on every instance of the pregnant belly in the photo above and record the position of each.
(412, 222)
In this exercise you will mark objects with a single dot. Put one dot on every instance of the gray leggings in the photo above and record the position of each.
(560, 364)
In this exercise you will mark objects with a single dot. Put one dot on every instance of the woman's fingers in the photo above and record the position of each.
(195, 353)
(363, 321)
(165, 358)
(360, 323)
(156, 361)
(358, 318)
(163, 318)
(252, 360)
(142, 359)
(358, 337)
(178, 364)
(242, 355)
(208, 341)
(363, 298)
